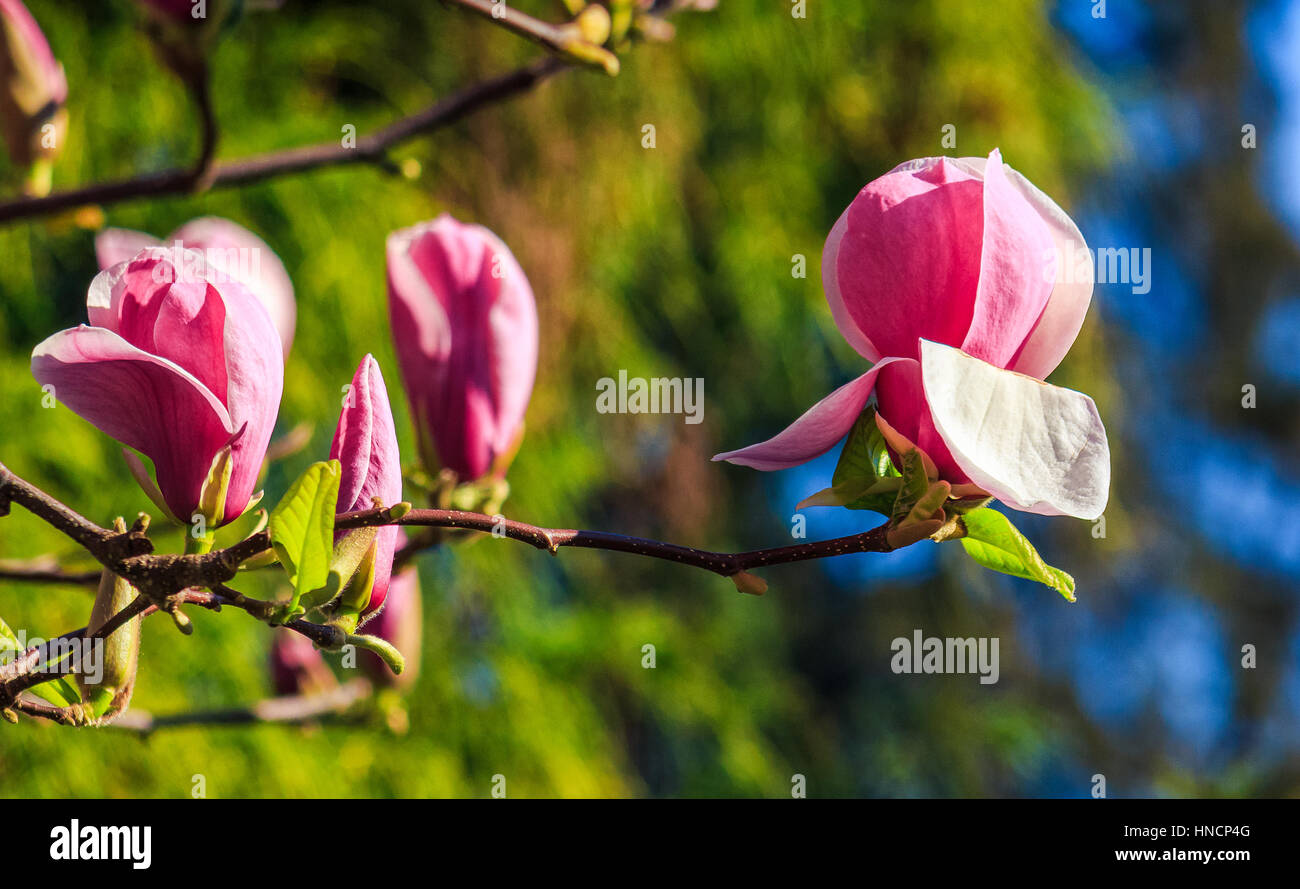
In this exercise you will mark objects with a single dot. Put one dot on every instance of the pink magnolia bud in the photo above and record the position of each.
(400, 623)
(297, 667)
(228, 248)
(32, 88)
(465, 326)
(365, 443)
(958, 280)
(179, 363)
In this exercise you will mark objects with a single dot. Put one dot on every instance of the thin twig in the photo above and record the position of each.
(369, 148)
(565, 40)
(46, 570)
(285, 710)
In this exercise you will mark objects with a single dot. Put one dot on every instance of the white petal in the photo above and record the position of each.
(1036, 447)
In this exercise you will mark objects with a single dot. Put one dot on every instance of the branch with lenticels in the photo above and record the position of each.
(167, 581)
(572, 43)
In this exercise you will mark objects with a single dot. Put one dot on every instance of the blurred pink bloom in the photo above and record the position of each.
(176, 366)
(230, 249)
(297, 667)
(943, 273)
(33, 88)
(465, 326)
(400, 623)
(365, 443)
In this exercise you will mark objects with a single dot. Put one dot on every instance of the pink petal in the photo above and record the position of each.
(1061, 320)
(814, 433)
(52, 85)
(145, 402)
(1017, 271)
(830, 284)
(907, 263)
(1059, 324)
(365, 443)
(114, 245)
(239, 253)
(465, 326)
(254, 385)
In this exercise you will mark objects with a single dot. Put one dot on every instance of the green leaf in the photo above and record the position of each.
(302, 528)
(348, 554)
(995, 543)
(865, 477)
(8, 641)
(865, 457)
(915, 487)
(60, 691)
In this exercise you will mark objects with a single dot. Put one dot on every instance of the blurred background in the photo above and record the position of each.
(676, 261)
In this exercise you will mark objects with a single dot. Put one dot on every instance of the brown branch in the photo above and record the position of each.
(369, 148)
(159, 576)
(570, 40)
(167, 581)
(46, 570)
(289, 710)
(551, 539)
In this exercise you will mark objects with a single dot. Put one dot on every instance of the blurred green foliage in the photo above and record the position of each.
(669, 261)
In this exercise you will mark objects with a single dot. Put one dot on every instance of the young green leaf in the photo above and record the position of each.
(60, 691)
(8, 641)
(865, 477)
(348, 555)
(995, 543)
(302, 528)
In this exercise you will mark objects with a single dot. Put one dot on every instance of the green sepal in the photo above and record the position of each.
(349, 553)
(864, 477)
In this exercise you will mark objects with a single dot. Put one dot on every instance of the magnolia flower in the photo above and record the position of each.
(465, 326)
(943, 274)
(365, 443)
(180, 366)
(229, 249)
(32, 91)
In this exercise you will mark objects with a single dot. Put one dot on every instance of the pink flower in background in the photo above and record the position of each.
(465, 326)
(401, 624)
(297, 666)
(365, 443)
(33, 88)
(176, 366)
(230, 249)
(942, 273)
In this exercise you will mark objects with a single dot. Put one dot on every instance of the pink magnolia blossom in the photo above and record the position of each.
(365, 443)
(176, 366)
(465, 326)
(943, 274)
(229, 248)
(33, 88)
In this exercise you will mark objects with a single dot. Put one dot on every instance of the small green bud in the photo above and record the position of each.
(106, 698)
